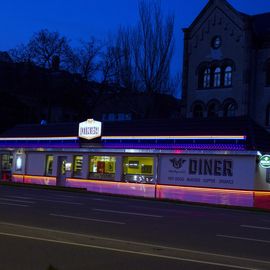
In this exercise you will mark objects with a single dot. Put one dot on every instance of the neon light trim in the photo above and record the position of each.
(39, 138)
(175, 147)
(174, 137)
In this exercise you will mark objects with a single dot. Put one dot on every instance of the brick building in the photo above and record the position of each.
(226, 64)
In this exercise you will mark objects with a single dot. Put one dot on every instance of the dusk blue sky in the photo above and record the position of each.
(77, 19)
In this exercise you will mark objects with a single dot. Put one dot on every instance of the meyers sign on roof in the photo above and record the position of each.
(90, 129)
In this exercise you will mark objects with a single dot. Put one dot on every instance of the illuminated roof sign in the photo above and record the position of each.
(90, 129)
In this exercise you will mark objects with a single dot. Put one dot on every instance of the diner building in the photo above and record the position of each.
(218, 162)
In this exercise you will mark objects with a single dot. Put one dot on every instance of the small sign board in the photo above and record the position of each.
(265, 161)
(90, 129)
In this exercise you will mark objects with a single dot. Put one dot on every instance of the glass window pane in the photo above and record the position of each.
(138, 169)
(228, 76)
(217, 77)
(206, 78)
(77, 166)
(49, 165)
(102, 167)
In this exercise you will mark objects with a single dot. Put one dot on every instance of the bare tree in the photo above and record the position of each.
(117, 62)
(45, 45)
(140, 57)
(21, 53)
(153, 47)
(83, 60)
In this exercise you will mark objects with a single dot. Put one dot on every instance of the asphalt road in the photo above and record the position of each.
(70, 230)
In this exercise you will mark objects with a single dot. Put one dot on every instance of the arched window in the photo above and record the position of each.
(206, 78)
(212, 110)
(228, 76)
(229, 110)
(217, 77)
(198, 111)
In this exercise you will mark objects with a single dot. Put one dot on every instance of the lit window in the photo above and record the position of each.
(6, 162)
(217, 77)
(102, 167)
(49, 165)
(228, 76)
(206, 78)
(18, 164)
(138, 169)
(77, 167)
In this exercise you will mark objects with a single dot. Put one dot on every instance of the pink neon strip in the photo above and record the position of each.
(206, 195)
(130, 189)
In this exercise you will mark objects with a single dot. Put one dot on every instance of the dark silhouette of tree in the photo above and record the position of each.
(140, 56)
(117, 63)
(83, 59)
(152, 44)
(42, 48)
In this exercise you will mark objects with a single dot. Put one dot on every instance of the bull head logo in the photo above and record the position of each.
(177, 163)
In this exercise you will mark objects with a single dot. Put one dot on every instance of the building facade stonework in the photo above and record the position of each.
(226, 64)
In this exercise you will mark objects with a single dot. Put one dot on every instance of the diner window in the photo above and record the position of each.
(217, 77)
(138, 169)
(6, 166)
(77, 166)
(228, 76)
(49, 165)
(6, 162)
(102, 167)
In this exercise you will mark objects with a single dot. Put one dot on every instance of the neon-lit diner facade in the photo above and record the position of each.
(213, 168)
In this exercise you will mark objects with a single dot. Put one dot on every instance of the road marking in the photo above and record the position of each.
(58, 201)
(243, 238)
(126, 213)
(19, 197)
(14, 204)
(255, 227)
(67, 196)
(127, 251)
(12, 200)
(90, 219)
(196, 252)
(97, 199)
(266, 220)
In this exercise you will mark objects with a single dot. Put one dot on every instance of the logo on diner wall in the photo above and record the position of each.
(265, 161)
(177, 163)
(90, 129)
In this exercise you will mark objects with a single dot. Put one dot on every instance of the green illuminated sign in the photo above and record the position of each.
(265, 161)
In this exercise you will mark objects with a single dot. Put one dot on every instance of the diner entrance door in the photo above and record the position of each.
(61, 171)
